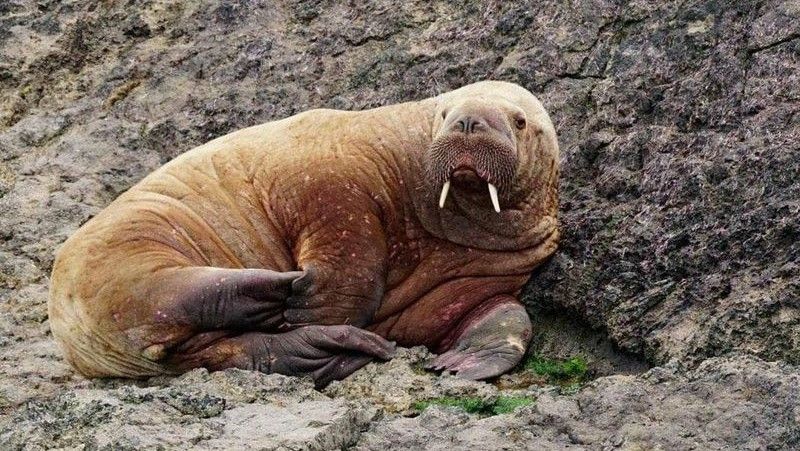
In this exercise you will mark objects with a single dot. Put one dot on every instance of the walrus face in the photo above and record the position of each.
(475, 150)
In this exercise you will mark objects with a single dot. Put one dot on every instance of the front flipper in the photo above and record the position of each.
(325, 353)
(488, 342)
(207, 298)
(327, 298)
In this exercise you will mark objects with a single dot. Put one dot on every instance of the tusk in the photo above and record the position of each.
(493, 195)
(443, 197)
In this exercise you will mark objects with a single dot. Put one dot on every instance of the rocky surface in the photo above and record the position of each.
(717, 405)
(225, 410)
(680, 135)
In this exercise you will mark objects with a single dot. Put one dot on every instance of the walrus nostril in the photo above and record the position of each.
(469, 124)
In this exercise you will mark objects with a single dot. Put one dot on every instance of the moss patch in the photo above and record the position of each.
(569, 373)
(508, 404)
(503, 404)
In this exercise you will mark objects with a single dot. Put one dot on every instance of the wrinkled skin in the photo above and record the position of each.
(310, 245)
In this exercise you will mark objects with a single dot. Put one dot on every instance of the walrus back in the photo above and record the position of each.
(213, 206)
(94, 306)
(203, 209)
(77, 307)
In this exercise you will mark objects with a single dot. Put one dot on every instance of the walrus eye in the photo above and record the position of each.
(520, 123)
(444, 114)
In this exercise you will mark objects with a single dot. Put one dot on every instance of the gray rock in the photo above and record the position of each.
(397, 385)
(736, 402)
(225, 410)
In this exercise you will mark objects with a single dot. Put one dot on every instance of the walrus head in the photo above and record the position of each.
(489, 172)
(475, 149)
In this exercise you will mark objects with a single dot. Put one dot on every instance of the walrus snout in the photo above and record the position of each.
(477, 119)
(475, 148)
(470, 124)
(467, 175)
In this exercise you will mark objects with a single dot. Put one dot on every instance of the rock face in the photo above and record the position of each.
(680, 186)
(680, 132)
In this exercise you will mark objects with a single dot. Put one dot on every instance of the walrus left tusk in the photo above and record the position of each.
(443, 197)
(493, 195)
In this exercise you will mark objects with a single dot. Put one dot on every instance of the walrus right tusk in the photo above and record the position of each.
(443, 197)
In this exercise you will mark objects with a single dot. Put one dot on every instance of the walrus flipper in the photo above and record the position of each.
(208, 299)
(490, 341)
(325, 353)
(344, 276)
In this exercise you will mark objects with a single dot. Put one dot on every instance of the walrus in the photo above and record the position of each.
(314, 244)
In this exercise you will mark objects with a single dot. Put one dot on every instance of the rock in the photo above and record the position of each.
(396, 386)
(675, 199)
(225, 410)
(718, 405)
(679, 129)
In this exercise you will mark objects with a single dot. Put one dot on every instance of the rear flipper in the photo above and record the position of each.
(220, 318)
(325, 353)
(488, 342)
